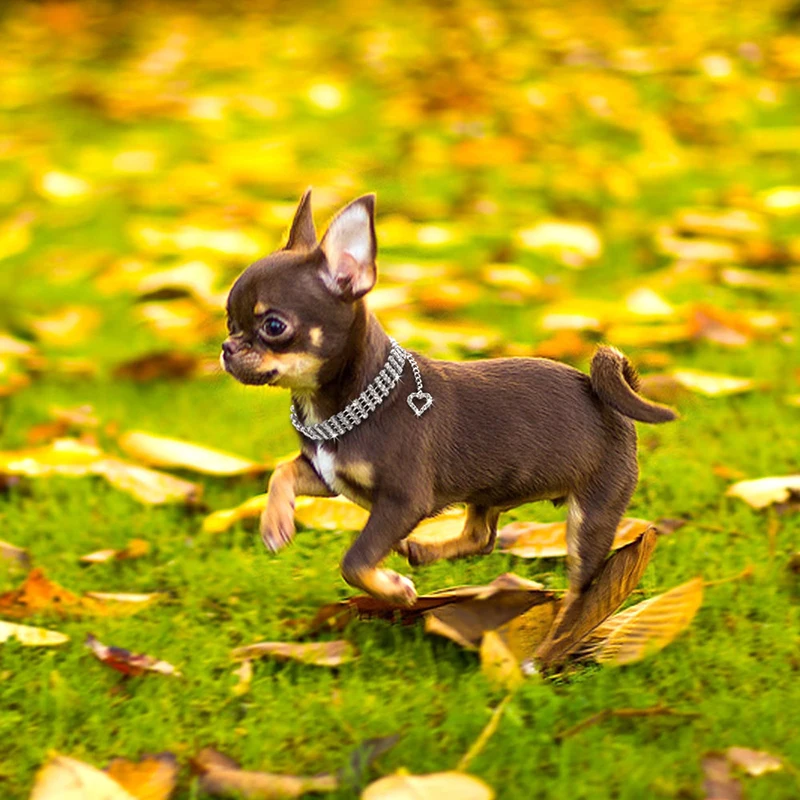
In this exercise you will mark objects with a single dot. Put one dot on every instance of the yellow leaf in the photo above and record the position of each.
(753, 762)
(15, 238)
(136, 548)
(498, 663)
(195, 278)
(64, 778)
(514, 278)
(152, 778)
(646, 627)
(62, 186)
(125, 597)
(644, 302)
(580, 614)
(441, 528)
(549, 539)
(162, 451)
(220, 521)
(763, 492)
(523, 634)
(326, 96)
(712, 384)
(435, 786)
(29, 636)
(320, 654)
(782, 200)
(147, 485)
(67, 327)
(330, 514)
(732, 223)
(574, 242)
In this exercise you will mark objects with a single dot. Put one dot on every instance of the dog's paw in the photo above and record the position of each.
(277, 526)
(393, 587)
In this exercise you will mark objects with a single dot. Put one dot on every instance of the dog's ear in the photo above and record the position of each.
(302, 235)
(350, 248)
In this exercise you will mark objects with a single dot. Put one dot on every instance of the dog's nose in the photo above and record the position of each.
(228, 348)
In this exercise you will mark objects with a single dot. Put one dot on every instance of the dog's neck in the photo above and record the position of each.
(362, 359)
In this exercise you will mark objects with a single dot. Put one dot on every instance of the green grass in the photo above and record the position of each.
(735, 669)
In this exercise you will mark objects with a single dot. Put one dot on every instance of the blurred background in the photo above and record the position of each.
(548, 174)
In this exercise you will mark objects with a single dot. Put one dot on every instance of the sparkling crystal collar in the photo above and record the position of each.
(359, 409)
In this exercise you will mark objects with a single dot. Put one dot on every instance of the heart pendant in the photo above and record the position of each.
(422, 404)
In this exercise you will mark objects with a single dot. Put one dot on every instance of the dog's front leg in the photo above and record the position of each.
(290, 478)
(388, 523)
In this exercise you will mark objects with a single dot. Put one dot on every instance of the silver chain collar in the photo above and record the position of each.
(359, 409)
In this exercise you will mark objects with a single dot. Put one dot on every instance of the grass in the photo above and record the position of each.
(735, 669)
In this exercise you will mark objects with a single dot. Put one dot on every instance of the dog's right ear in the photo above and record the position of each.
(302, 235)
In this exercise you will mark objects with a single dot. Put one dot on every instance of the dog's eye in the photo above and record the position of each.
(273, 327)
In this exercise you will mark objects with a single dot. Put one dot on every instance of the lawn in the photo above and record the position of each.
(138, 139)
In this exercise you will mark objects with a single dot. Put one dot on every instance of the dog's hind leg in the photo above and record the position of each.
(593, 515)
(477, 538)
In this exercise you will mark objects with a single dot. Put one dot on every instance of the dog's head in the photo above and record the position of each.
(291, 314)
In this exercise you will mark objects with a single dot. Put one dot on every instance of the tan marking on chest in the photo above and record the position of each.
(353, 479)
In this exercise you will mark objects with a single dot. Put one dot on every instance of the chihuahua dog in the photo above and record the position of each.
(492, 434)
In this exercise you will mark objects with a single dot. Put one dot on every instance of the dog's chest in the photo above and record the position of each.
(350, 477)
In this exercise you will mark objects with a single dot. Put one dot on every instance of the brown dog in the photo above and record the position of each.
(404, 435)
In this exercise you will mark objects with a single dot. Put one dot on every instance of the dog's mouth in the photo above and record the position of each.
(248, 377)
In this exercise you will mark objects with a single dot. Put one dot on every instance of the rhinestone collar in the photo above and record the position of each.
(359, 409)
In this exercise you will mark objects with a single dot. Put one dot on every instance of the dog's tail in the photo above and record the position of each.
(615, 382)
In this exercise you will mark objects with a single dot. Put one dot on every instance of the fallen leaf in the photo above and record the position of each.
(573, 242)
(524, 633)
(718, 783)
(644, 302)
(708, 384)
(781, 200)
(512, 594)
(720, 326)
(330, 514)
(19, 555)
(64, 778)
(161, 365)
(220, 521)
(73, 458)
(244, 673)
(435, 786)
(763, 492)
(731, 223)
(29, 636)
(126, 662)
(147, 485)
(753, 762)
(162, 451)
(439, 529)
(697, 249)
(581, 614)
(152, 778)
(38, 594)
(136, 548)
(510, 277)
(221, 776)
(68, 327)
(125, 597)
(498, 663)
(645, 628)
(549, 539)
(196, 279)
(447, 297)
(320, 654)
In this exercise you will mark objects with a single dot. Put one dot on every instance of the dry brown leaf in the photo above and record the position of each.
(549, 539)
(64, 778)
(19, 555)
(524, 633)
(467, 620)
(509, 594)
(645, 628)
(161, 365)
(136, 548)
(162, 451)
(446, 297)
(126, 662)
(498, 663)
(152, 778)
(581, 614)
(320, 654)
(718, 782)
(330, 514)
(435, 786)
(39, 595)
(753, 762)
(720, 326)
(30, 636)
(221, 776)
(763, 492)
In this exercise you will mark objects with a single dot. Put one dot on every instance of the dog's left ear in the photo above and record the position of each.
(302, 235)
(350, 248)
